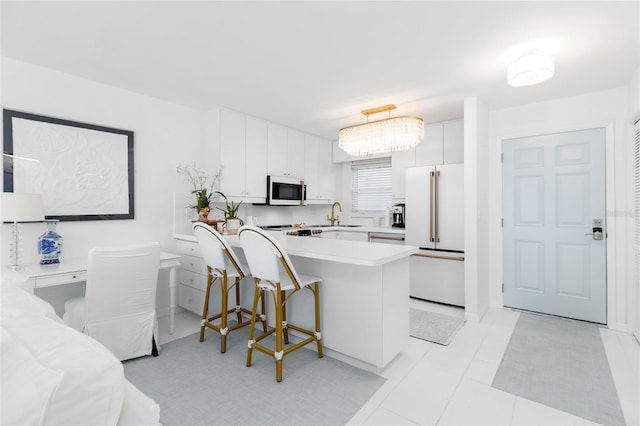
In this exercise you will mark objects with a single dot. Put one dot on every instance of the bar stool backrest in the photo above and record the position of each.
(216, 251)
(266, 256)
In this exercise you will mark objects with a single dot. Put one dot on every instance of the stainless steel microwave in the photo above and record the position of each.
(286, 191)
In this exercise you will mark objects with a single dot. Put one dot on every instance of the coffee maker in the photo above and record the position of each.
(397, 215)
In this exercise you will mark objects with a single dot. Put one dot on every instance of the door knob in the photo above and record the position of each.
(597, 230)
(597, 234)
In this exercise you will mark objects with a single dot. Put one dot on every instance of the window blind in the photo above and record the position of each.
(636, 200)
(371, 185)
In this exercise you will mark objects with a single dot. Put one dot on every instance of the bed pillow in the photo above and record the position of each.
(27, 385)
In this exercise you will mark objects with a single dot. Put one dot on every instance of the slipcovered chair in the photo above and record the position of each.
(119, 306)
(222, 264)
(273, 273)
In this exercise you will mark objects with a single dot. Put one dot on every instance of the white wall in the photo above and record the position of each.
(164, 136)
(606, 108)
(476, 188)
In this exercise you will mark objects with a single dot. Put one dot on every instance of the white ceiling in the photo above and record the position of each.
(315, 65)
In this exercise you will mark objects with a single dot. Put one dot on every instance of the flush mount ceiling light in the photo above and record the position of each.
(386, 135)
(531, 68)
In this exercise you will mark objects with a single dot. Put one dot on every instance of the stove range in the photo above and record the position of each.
(276, 227)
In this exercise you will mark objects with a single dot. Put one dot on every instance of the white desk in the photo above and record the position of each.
(68, 271)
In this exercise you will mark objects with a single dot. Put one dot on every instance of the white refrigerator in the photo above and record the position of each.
(434, 221)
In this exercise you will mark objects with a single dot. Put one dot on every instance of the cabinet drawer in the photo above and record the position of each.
(193, 264)
(193, 280)
(190, 299)
(190, 248)
(386, 238)
(67, 278)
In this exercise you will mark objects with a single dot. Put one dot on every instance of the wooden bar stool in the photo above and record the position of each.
(274, 273)
(222, 265)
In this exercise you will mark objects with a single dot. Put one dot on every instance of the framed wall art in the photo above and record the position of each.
(83, 171)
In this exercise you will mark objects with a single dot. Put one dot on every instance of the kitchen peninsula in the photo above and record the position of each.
(364, 295)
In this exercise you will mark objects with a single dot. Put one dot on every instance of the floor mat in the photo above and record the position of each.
(560, 363)
(434, 327)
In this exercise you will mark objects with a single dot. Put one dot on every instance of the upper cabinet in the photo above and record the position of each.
(250, 149)
(400, 160)
(286, 154)
(320, 173)
(443, 144)
(243, 149)
(453, 142)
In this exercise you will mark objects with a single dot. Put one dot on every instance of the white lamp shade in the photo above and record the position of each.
(531, 68)
(18, 207)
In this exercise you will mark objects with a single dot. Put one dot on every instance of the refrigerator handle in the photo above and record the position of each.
(431, 238)
(437, 210)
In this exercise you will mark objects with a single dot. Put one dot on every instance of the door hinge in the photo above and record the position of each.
(501, 157)
(502, 222)
(503, 287)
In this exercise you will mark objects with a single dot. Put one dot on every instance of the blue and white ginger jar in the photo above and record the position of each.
(50, 244)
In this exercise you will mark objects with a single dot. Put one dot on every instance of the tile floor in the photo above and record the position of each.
(430, 384)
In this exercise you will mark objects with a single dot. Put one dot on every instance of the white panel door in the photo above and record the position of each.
(553, 198)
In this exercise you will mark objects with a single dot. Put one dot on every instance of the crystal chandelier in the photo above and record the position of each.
(386, 135)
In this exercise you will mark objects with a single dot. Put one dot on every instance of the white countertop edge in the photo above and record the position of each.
(340, 251)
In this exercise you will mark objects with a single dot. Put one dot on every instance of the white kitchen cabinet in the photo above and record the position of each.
(443, 144)
(192, 281)
(192, 277)
(453, 142)
(319, 171)
(386, 238)
(243, 149)
(285, 156)
(346, 235)
(429, 151)
(400, 160)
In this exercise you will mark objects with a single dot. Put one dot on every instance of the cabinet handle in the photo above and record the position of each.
(433, 256)
(431, 207)
(437, 208)
(373, 237)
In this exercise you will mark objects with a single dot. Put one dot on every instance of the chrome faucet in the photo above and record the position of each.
(333, 219)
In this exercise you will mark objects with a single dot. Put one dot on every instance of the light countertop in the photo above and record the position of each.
(352, 252)
(379, 229)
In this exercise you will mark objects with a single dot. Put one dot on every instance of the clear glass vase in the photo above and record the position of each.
(50, 244)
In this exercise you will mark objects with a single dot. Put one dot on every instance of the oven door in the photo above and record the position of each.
(286, 191)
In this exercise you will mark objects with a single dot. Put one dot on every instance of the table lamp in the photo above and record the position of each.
(17, 208)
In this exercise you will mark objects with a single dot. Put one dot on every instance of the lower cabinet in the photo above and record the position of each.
(346, 235)
(192, 281)
(192, 277)
(386, 238)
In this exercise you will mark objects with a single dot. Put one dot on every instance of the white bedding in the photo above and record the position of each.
(52, 374)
